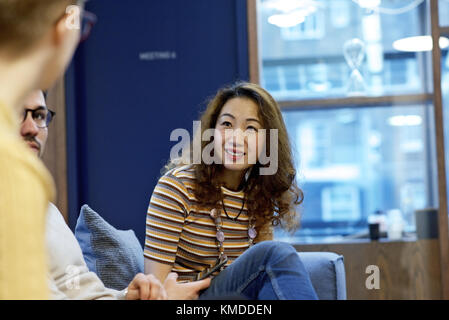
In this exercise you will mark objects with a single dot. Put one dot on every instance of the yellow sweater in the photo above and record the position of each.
(26, 187)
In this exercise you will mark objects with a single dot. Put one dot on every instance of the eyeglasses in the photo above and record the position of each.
(88, 19)
(41, 116)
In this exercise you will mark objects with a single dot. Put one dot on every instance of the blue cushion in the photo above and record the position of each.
(327, 272)
(116, 256)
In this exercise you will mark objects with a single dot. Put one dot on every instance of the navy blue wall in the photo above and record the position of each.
(121, 109)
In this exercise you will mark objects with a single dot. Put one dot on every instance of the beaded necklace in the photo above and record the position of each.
(216, 217)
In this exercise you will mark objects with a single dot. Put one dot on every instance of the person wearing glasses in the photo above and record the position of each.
(36, 118)
(68, 272)
(69, 276)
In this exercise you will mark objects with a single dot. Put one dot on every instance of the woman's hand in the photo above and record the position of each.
(184, 291)
(146, 287)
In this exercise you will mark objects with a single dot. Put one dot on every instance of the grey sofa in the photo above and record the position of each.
(327, 272)
(106, 249)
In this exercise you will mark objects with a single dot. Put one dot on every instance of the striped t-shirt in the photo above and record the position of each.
(181, 232)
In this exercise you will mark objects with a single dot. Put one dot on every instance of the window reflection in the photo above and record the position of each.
(306, 59)
(443, 8)
(352, 162)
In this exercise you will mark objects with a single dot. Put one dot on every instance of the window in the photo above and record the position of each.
(444, 10)
(352, 162)
(317, 47)
(359, 112)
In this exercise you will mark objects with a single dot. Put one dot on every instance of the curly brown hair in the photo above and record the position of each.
(271, 199)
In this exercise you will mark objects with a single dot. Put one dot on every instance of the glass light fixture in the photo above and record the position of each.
(418, 44)
(369, 4)
(291, 12)
(287, 20)
(354, 52)
(405, 120)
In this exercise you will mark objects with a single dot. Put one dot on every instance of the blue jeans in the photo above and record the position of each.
(269, 270)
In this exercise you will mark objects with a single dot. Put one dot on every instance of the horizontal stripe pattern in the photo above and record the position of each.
(181, 233)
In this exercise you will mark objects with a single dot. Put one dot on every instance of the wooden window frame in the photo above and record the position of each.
(55, 153)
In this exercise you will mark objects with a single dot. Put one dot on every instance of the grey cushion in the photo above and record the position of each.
(327, 272)
(116, 256)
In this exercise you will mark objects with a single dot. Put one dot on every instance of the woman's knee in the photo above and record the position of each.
(275, 248)
(275, 245)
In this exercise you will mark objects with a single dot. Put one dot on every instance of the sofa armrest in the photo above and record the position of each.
(327, 272)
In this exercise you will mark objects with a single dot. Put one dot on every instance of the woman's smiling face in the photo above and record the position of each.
(237, 134)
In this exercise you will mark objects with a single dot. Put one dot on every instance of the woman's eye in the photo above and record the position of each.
(251, 128)
(226, 124)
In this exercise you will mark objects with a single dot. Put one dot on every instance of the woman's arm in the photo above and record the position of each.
(159, 270)
(175, 290)
(165, 221)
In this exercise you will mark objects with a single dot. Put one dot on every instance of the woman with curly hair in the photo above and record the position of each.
(213, 211)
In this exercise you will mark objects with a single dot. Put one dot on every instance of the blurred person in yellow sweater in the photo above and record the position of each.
(37, 41)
